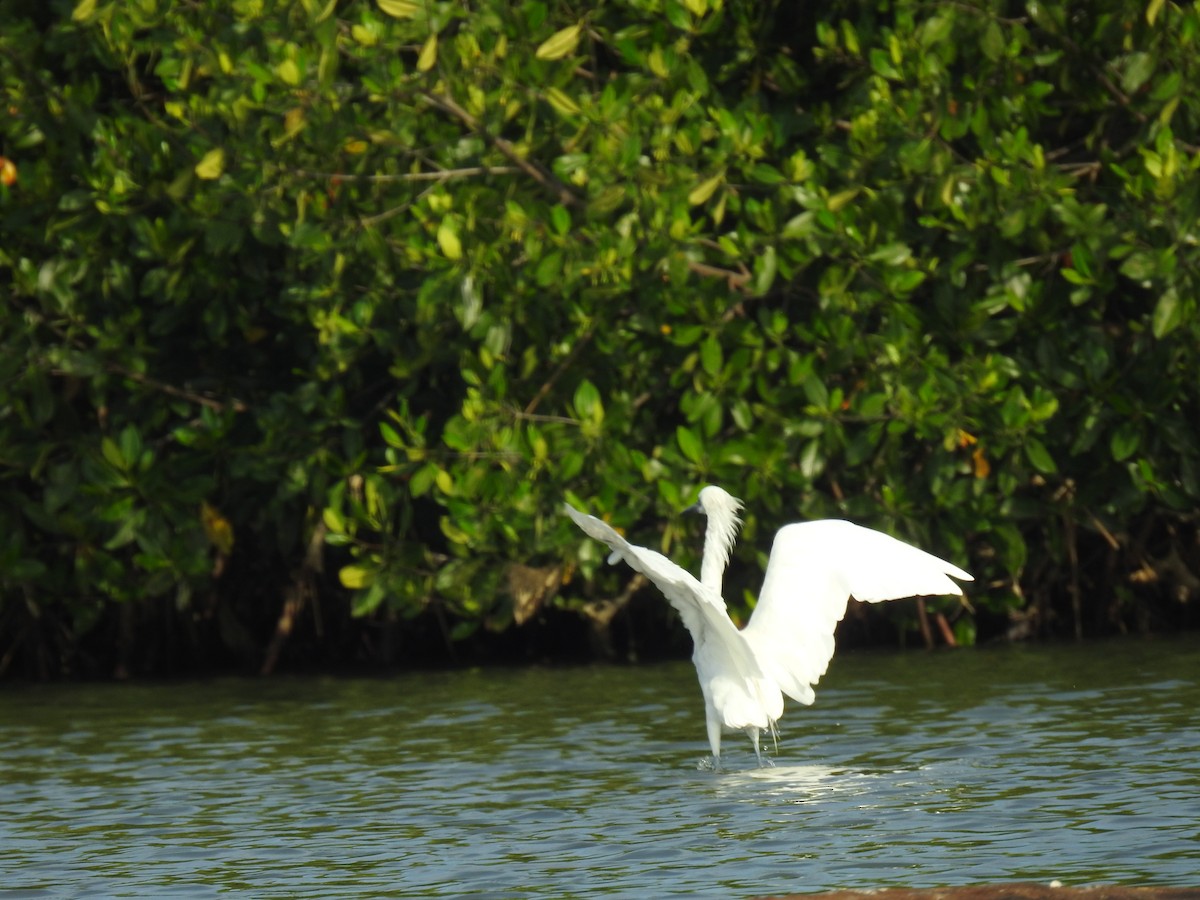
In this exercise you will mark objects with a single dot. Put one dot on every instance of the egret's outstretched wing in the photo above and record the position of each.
(694, 603)
(814, 568)
(729, 673)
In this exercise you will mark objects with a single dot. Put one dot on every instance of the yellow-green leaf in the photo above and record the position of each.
(364, 35)
(326, 12)
(428, 56)
(657, 63)
(83, 11)
(334, 522)
(1168, 314)
(1153, 8)
(701, 192)
(399, 9)
(696, 7)
(562, 102)
(212, 165)
(841, 198)
(112, 454)
(448, 240)
(560, 44)
(355, 577)
(288, 72)
(217, 528)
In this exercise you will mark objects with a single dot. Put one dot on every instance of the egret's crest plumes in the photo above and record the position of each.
(786, 646)
(722, 510)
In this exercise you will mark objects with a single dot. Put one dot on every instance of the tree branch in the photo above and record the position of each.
(438, 175)
(561, 192)
(737, 281)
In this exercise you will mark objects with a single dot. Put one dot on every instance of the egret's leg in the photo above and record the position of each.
(762, 763)
(714, 735)
(753, 732)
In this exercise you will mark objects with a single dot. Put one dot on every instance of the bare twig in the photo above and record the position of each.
(944, 628)
(561, 192)
(600, 613)
(182, 393)
(583, 341)
(436, 175)
(522, 416)
(296, 595)
(1073, 560)
(923, 621)
(737, 281)
(1112, 542)
(117, 369)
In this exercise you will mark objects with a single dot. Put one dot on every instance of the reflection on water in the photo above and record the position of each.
(1081, 764)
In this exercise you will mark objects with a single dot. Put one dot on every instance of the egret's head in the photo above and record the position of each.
(717, 503)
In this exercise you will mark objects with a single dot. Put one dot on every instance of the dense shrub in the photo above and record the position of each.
(321, 308)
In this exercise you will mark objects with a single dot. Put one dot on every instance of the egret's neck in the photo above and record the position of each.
(718, 543)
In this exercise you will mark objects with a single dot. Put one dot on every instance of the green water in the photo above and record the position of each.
(1081, 764)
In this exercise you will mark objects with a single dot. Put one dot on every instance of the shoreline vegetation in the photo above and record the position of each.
(315, 313)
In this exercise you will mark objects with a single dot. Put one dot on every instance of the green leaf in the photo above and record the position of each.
(549, 269)
(765, 268)
(896, 254)
(334, 521)
(701, 192)
(1138, 69)
(587, 402)
(447, 238)
(811, 461)
(816, 392)
(288, 72)
(1140, 265)
(1039, 456)
(355, 577)
(390, 436)
(1125, 440)
(711, 357)
(427, 59)
(422, 480)
(562, 102)
(689, 444)
(399, 9)
(211, 165)
(369, 600)
(992, 44)
(561, 43)
(84, 10)
(112, 454)
(131, 444)
(1168, 314)
(560, 218)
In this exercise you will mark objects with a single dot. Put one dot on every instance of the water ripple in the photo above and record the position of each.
(1029, 763)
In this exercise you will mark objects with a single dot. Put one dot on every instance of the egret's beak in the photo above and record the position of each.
(694, 508)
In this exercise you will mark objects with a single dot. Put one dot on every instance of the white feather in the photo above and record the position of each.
(733, 683)
(813, 569)
(723, 523)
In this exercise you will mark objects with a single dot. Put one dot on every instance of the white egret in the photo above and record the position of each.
(786, 646)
